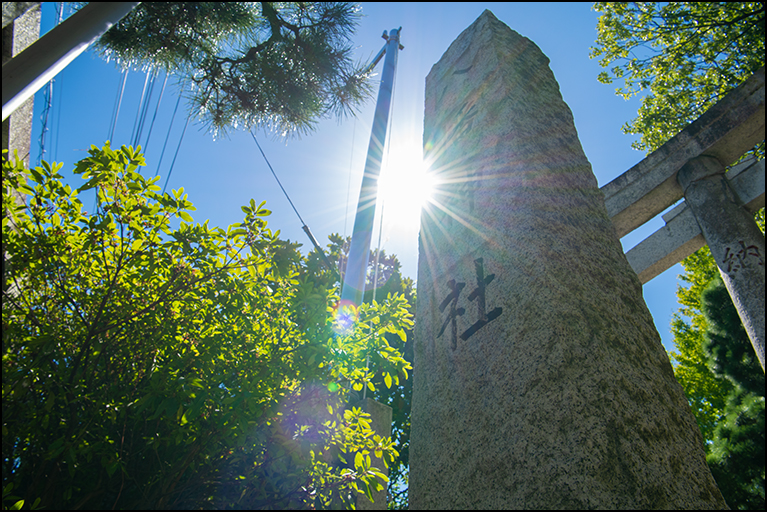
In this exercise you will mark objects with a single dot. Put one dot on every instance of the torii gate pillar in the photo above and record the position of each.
(734, 239)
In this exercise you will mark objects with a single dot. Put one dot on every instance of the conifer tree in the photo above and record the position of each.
(281, 66)
(736, 454)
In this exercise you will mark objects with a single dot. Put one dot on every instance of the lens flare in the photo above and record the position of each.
(405, 186)
(345, 314)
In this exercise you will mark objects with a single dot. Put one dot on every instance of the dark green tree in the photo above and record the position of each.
(736, 457)
(736, 454)
(281, 66)
(152, 366)
(730, 353)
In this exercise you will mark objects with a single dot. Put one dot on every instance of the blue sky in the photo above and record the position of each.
(322, 172)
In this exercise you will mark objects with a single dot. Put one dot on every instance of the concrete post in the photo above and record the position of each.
(380, 421)
(18, 34)
(539, 378)
(735, 241)
(17, 129)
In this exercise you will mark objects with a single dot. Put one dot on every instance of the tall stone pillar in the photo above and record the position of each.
(734, 239)
(540, 380)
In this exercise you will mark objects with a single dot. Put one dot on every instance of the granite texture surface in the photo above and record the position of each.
(540, 380)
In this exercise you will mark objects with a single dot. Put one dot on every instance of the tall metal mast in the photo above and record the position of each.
(356, 266)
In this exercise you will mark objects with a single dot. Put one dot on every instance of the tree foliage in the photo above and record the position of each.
(736, 454)
(705, 391)
(393, 391)
(153, 366)
(280, 66)
(736, 457)
(726, 342)
(687, 55)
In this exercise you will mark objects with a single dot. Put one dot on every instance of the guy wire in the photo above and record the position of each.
(306, 229)
(145, 110)
(167, 136)
(348, 191)
(48, 94)
(276, 178)
(170, 171)
(118, 103)
(388, 150)
(140, 104)
(154, 117)
(349, 183)
(115, 115)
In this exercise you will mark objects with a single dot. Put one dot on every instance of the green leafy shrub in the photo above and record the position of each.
(147, 366)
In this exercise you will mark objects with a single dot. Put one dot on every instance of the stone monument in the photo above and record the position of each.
(540, 380)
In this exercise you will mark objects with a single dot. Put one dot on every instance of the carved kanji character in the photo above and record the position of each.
(452, 299)
(483, 318)
(736, 260)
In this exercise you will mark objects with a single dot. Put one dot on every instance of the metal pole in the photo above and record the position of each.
(26, 73)
(356, 267)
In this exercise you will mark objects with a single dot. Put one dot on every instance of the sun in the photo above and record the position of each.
(405, 187)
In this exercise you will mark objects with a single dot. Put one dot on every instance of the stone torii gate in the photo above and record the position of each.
(540, 380)
(718, 208)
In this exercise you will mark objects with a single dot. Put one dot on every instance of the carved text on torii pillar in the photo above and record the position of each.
(738, 258)
(478, 295)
